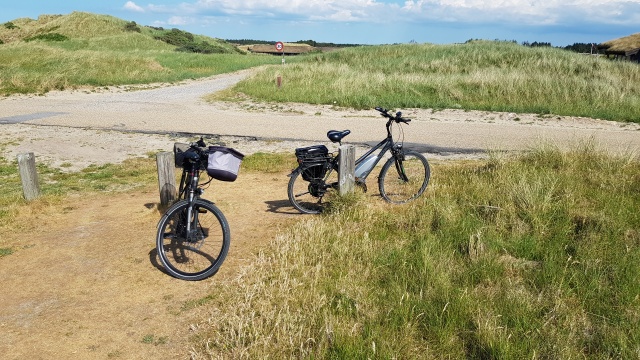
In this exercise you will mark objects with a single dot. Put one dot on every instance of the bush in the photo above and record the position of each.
(176, 37)
(201, 48)
(48, 37)
(9, 25)
(132, 26)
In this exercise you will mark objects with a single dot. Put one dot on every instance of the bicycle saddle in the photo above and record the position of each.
(337, 136)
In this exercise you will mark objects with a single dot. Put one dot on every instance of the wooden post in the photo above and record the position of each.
(166, 177)
(29, 176)
(346, 168)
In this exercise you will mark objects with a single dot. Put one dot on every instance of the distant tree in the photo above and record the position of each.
(581, 48)
(9, 25)
(536, 44)
(308, 42)
(250, 42)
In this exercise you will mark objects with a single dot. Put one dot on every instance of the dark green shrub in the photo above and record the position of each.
(48, 37)
(176, 37)
(9, 25)
(132, 26)
(201, 48)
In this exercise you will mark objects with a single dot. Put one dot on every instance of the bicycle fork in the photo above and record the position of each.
(398, 155)
(192, 198)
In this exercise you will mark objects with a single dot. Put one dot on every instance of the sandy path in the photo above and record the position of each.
(84, 283)
(180, 109)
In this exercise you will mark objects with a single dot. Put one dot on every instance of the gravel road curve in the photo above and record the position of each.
(113, 118)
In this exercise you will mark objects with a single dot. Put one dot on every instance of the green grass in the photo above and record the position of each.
(526, 257)
(481, 75)
(96, 50)
(39, 68)
(269, 162)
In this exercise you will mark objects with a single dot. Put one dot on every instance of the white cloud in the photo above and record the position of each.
(526, 12)
(516, 12)
(130, 5)
(178, 20)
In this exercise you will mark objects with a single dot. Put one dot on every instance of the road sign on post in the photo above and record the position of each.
(280, 48)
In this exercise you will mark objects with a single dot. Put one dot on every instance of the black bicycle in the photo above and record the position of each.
(193, 235)
(404, 176)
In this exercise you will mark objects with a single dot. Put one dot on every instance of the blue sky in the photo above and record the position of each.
(559, 22)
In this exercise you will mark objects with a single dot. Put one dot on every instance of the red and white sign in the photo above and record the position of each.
(279, 46)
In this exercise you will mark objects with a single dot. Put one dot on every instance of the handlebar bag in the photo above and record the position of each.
(224, 163)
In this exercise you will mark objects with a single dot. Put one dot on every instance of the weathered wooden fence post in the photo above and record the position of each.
(29, 176)
(166, 177)
(346, 168)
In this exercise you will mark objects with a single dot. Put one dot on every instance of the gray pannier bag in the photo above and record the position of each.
(224, 163)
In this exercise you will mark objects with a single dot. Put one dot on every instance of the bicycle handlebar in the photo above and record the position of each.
(199, 146)
(397, 118)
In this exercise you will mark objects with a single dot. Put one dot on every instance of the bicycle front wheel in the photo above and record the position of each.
(404, 177)
(198, 252)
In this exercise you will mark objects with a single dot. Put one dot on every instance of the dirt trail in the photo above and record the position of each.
(85, 283)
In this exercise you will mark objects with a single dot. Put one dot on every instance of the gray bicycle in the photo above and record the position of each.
(404, 176)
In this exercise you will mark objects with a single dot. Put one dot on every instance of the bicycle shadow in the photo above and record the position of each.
(281, 207)
(153, 259)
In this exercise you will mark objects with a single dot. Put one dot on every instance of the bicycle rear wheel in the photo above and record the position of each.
(199, 253)
(307, 191)
(404, 177)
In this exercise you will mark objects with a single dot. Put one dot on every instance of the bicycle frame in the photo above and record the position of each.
(190, 191)
(386, 145)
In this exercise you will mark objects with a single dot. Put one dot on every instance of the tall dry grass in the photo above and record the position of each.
(526, 257)
(482, 75)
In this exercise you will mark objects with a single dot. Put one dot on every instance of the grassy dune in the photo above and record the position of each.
(100, 51)
(481, 75)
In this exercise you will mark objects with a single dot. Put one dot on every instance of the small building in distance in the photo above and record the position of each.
(626, 48)
(288, 49)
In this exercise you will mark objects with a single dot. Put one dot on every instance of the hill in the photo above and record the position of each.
(84, 50)
(99, 30)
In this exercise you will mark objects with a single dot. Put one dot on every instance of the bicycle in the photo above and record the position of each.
(403, 177)
(193, 236)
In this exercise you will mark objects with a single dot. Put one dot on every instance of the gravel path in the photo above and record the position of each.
(78, 126)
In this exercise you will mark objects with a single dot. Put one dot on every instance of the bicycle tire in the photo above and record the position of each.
(392, 182)
(198, 255)
(306, 195)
